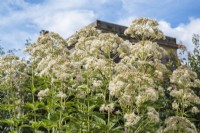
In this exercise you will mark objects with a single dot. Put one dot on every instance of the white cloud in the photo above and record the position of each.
(16, 40)
(183, 32)
(65, 23)
(126, 21)
(63, 18)
(24, 20)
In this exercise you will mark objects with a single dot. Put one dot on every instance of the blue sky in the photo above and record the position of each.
(23, 19)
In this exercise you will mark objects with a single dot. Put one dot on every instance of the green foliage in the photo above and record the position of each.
(194, 58)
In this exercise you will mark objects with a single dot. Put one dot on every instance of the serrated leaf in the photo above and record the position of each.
(111, 125)
(99, 120)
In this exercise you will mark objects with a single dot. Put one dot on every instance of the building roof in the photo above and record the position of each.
(119, 29)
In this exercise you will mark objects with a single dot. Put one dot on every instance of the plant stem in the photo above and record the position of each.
(33, 91)
(60, 119)
(88, 105)
(88, 119)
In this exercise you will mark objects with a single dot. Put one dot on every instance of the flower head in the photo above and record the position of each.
(131, 119)
(43, 93)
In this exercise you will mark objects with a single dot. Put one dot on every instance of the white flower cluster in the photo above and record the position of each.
(42, 93)
(177, 93)
(144, 58)
(187, 95)
(184, 79)
(131, 87)
(144, 29)
(147, 50)
(61, 95)
(107, 107)
(175, 105)
(97, 83)
(115, 87)
(195, 110)
(158, 74)
(87, 32)
(80, 93)
(92, 63)
(12, 70)
(179, 124)
(98, 51)
(51, 56)
(131, 119)
(151, 94)
(153, 115)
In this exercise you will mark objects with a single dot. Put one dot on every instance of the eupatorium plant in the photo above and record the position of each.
(98, 82)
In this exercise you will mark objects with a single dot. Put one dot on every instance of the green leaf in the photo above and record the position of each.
(92, 107)
(27, 89)
(70, 103)
(111, 125)
(30, 105)
(6, 107)
(37, 131)
(36, 125)
(34, 106)
(8, 121)
(117, 128)
(99, 120)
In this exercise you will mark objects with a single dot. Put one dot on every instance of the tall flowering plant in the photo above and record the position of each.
(98, 82)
